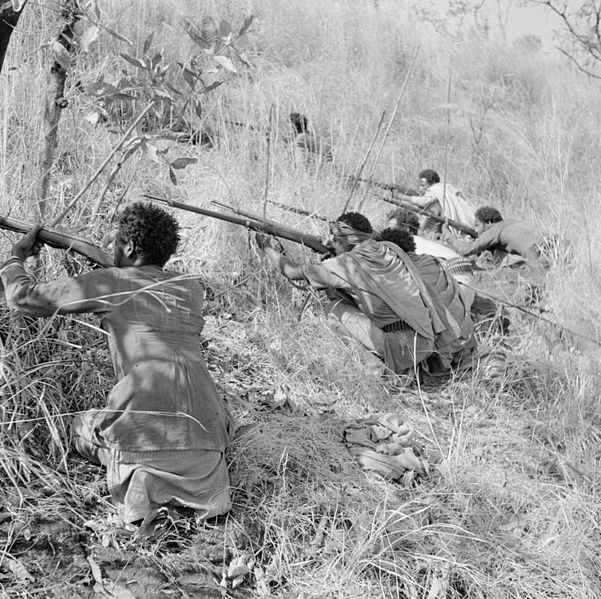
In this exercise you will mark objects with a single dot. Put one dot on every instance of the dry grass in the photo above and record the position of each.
(511, 508)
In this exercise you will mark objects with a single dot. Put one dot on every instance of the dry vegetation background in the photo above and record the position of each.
(511, 508)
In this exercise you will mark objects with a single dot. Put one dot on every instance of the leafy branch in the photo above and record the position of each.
(155, 81)
(581, 42)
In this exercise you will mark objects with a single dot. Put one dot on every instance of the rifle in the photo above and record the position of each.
(246, 214)
(298, 210)
(62, 240)
(402, 189)
(402, 196)
(251, 222)
(405, 202)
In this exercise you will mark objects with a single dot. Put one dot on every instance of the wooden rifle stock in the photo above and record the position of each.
(251, 222)
(60, 239)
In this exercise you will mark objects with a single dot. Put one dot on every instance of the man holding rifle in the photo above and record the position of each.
(440, 200)
(379, 298)
(163, 434)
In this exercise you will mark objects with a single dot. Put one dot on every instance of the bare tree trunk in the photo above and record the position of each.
(8, 21)
(55, 100)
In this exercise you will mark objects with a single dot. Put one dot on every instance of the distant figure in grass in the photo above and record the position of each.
(163, 434)
(442, 200)
(380, 299)
(403, 218)
(307, 140)
(502, 237)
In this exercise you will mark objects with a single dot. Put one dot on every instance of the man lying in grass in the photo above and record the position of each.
(163, 434)
(502, 237)
(379, 298)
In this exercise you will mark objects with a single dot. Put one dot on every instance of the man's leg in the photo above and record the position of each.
(357, 325)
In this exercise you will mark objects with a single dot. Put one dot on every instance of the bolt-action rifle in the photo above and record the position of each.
(63, 240)
(252, 222)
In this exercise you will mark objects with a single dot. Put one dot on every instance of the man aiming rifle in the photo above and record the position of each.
(164, 431)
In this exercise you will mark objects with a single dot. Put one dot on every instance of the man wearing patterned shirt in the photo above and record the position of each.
(163, 434)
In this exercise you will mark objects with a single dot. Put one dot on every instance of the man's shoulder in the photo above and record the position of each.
(438, 189)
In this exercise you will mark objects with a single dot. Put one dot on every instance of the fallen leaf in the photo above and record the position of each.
(95, 569)
(117, 591)
(17, 569)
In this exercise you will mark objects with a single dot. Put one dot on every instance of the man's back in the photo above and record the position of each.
(164, 396)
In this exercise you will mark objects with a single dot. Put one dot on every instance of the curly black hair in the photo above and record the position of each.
(154, 232)
(401, 237)
(357, 221)
(488, 214)
(407, 219)
(299, 122)
(430, 176)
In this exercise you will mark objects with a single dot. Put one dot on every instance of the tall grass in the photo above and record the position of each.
(510, 509)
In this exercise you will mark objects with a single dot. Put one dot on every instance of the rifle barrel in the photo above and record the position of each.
(251, 222)
(406, 203)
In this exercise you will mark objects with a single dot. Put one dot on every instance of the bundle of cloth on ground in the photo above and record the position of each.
(383, 443)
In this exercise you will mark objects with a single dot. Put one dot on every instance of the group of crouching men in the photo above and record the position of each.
(164, 431)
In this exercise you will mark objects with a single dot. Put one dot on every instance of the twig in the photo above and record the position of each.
(356, 179)
(95, 176)
(446, 146)
(268, 166)
(396, 107)
(110, 179)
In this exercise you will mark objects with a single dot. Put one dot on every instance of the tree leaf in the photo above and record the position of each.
(18, 569)
(189, 77)
(173, 89)
(195, 36)
(172, 176)
(147, 43)
(60, 54)
(225, 62)
(183, 162)
(118, 35)
(224, 28)
(88, 37)
(119, 592)
(163, 96)
(241, 57)
(151, 152)
(246, 25)
(211, 87)
(93, 118)
(198, 109)
(157, 59)
(134, 61)
(118, 97)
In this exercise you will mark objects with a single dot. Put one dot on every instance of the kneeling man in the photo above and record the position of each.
(163, 434)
